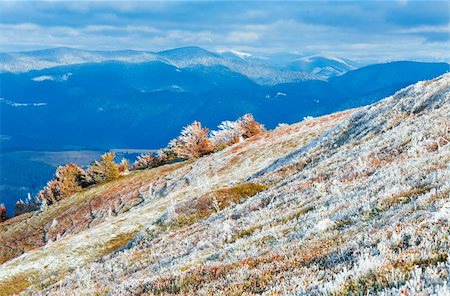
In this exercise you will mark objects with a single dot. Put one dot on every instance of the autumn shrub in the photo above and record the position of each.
(23, 207)
(193, 142)
(231, 132)
(70, 177)
(146, 161)
(3, 214)
(167, 155)
(29, 205)
(123, 165)
(68, 180)
(250, 126)
(51, 193)
(103, 170)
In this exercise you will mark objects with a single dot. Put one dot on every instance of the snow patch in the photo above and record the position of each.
(325, 224)
(15, 104)
(240, 54)
(59, 78)
(280, 94)
(310, 59)
(43, 78)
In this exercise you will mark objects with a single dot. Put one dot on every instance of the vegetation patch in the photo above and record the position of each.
(296, 215)
(364, 285)
(249, 231)
(190, 212)
(374, 282)
(255, 282)
(117, 242)
(407, 266)
(342, 223)
(16, 284)
(402, 198)
(245, 232)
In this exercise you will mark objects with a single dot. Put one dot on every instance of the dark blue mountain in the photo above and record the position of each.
(143, 105)
(368, 84)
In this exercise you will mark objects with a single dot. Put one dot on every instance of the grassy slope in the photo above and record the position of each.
(364, 208)
(92, 223)
(355, 202)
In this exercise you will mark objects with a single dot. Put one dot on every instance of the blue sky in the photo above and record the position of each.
(360, 30)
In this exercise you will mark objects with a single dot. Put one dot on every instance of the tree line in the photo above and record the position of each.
(193, 142)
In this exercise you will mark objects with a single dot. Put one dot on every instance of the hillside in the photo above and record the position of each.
(353, 202)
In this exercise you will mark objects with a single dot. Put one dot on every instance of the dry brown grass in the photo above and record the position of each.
(16, 284)
(117, 242)
(190, 212)
(401, 198)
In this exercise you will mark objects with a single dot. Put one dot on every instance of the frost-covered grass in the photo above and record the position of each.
(83, 227)
(351, 203)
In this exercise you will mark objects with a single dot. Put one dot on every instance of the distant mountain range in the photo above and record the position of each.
(64, 98)
(263, 70)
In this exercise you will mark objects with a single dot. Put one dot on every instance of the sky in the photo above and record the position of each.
(358, 30)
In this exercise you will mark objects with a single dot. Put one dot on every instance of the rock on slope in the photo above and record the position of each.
(354, 202)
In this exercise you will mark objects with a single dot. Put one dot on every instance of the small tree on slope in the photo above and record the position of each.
(250, 126)
(231, 132)
(146, 161)
(103, 170)
(123, 166)
(29, 205)
(193, 142)
(3, 214)
(68, 180)
(70, 176)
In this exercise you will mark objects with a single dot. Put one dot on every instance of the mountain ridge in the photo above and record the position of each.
(179, 57)
(115, 88)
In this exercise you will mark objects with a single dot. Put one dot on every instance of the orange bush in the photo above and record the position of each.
(3, 215)
(193, 142)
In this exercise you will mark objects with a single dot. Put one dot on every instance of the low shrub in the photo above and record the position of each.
(146, 161)
(103, 170)
(25, 207)
(3, 214)
(193, 142)
(124, 166)
(68, 180)
(231, 132)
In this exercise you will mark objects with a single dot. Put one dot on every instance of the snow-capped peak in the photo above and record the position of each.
(241, 54)
(312, 58)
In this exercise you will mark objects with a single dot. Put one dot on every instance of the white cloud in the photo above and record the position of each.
(243, 37)
(425, 29)
(307, 28)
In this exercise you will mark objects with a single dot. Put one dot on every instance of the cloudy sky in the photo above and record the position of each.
(360, 30)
